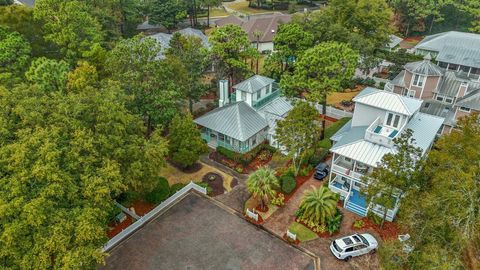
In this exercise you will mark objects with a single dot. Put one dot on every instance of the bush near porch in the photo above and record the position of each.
(244, 163)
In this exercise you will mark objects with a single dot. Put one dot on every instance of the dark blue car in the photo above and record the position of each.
(321, 171)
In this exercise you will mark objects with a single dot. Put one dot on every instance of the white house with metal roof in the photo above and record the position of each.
(457, 51)
(359, 146)
(247, 117)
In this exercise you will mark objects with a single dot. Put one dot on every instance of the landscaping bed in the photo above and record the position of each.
(390, 229)
(215, 182)
(142, 207)
(117, 227)
(300, 180)
(303, 233)
(244, 163)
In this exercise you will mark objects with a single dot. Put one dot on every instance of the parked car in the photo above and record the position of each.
(321, 171)
(354, 245)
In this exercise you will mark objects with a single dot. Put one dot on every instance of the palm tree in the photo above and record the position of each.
(319, 204)
(262, 184)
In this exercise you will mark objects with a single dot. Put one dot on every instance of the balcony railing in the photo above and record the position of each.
(257, 104)
(381, 134)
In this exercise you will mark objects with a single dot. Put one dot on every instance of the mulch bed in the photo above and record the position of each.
(262, 159)
(259, 209)
(191, 169)
(142, 207)
(300, 180)
(227, 162)
(234, 183)
(257, 162)
(289, 240)
(390, 230)
(215, 181)
(119, 227)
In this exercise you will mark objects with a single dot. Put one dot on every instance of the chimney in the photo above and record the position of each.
(223, 89)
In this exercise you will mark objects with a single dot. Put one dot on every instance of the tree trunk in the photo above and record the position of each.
(324, 112)
(258, 44)
(190, 105)
(194, 13)
(262, 204)
(208, 16)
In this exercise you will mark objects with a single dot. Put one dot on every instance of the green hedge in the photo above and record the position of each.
(330, 131)
(160, 192)
(288, 182)
(176, 187)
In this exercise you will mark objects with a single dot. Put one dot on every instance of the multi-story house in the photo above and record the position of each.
(359, 146)
(246, 117)
(457, 51)
(447, 93)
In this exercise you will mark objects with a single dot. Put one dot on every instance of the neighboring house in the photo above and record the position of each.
(28, 3)
(359, 146)
(453, 50)
(444, 91)
(394, 43)
(247, 117)
(261, 28)
(164, 39)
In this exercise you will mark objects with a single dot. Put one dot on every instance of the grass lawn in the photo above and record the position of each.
(243, 8)
(174, 175)
(332, 129)
(337, 97)
(217, 12)
(303, 233)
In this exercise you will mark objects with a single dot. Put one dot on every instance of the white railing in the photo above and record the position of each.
(334, 112)
(252, 215)
(137, 224)
(348, 172)
(378, 210)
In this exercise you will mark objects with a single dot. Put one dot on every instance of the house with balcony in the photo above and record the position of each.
(245, 118)
(444, 92)
(358, 147)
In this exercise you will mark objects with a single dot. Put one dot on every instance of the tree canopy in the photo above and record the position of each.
(14, 55)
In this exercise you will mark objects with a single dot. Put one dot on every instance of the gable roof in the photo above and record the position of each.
(29, 3)
(460, 56)
(231, 19)
(471, 100)
(394, 41)
(388, 101)
(267, 26)
(253, 84)
(164, 39)
(424, 67)
(196, 33)
(236, 120)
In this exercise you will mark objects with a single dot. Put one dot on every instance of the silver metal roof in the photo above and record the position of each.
(394, 41)
(460, 56)
(449, 85)
(399, 80)
(342, 131)
(164, 39)
(425, 67)
(470, 100)
(353, 145)
(197, 33)
(236, 120)
(253, 84)
(388, 101)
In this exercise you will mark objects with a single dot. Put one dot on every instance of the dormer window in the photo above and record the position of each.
(418, 80)
(393, 120)
(465, 109)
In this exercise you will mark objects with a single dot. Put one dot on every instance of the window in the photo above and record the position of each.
(426, 105)
(465, 69)
(350, 249)
(448, 100)
(411, 93)
(254, 140)
(464, 109)
(244, 96)
(393, 120)
(221, 137)
(227, 139)
(442, 64)
(267, 89)
(259, 94)
(439, 98)
(453, 67)
(418, 80)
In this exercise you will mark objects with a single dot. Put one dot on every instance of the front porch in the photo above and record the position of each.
(215, 139)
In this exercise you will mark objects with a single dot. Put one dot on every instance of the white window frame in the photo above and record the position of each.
(463, 110)
(439, 98)
(409, 94)
(449, 98)
(418, 80)
(394, 117)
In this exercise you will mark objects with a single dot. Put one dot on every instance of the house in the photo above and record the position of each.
(260, 27)
(359, 146)
(245, 118)
(164, 39)
(457, 51)
(191, 230)
(444, 91)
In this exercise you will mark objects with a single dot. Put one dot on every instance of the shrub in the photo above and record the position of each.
(279, 200)
(239, 169)
(205, 185)
(160, 192)
(376, 219)
(334, 223)
(288, 183)
(126, 198)
(358, 224)
(226, 152)
(176, 187)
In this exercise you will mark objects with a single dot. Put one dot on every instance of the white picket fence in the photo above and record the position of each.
(252, 215)
(334, 112)
(140, 222)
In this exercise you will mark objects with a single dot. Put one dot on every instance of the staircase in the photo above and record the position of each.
(356, 209)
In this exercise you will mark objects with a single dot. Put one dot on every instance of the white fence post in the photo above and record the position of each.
(291, 235)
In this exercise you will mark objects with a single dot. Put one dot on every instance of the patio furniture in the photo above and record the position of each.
(346, 186)
(378, 129)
